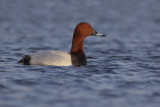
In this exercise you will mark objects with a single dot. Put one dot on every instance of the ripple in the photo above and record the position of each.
(24, 82)
(2, 86)
(111, 94)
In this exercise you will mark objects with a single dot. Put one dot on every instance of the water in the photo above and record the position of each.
(123, 69)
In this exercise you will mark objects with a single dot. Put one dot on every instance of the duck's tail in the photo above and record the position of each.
(25, 60)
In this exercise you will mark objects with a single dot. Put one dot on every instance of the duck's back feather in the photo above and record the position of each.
(57, 58)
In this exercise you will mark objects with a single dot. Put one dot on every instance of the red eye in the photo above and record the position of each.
(86, 26)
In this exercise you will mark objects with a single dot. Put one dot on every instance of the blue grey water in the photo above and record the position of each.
(123, 69)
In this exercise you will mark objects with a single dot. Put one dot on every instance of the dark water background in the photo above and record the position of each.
(123, 68)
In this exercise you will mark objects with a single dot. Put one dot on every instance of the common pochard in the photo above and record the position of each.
(76, 56)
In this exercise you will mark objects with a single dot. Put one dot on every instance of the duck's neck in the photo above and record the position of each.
(78, 57)
(77, 44)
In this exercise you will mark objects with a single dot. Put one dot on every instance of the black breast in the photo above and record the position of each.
(78, 59)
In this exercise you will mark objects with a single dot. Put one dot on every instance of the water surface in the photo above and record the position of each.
(123, 69)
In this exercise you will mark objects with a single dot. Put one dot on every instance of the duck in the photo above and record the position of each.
(75, 57)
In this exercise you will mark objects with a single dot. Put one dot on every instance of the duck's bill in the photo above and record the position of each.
(98, 34)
